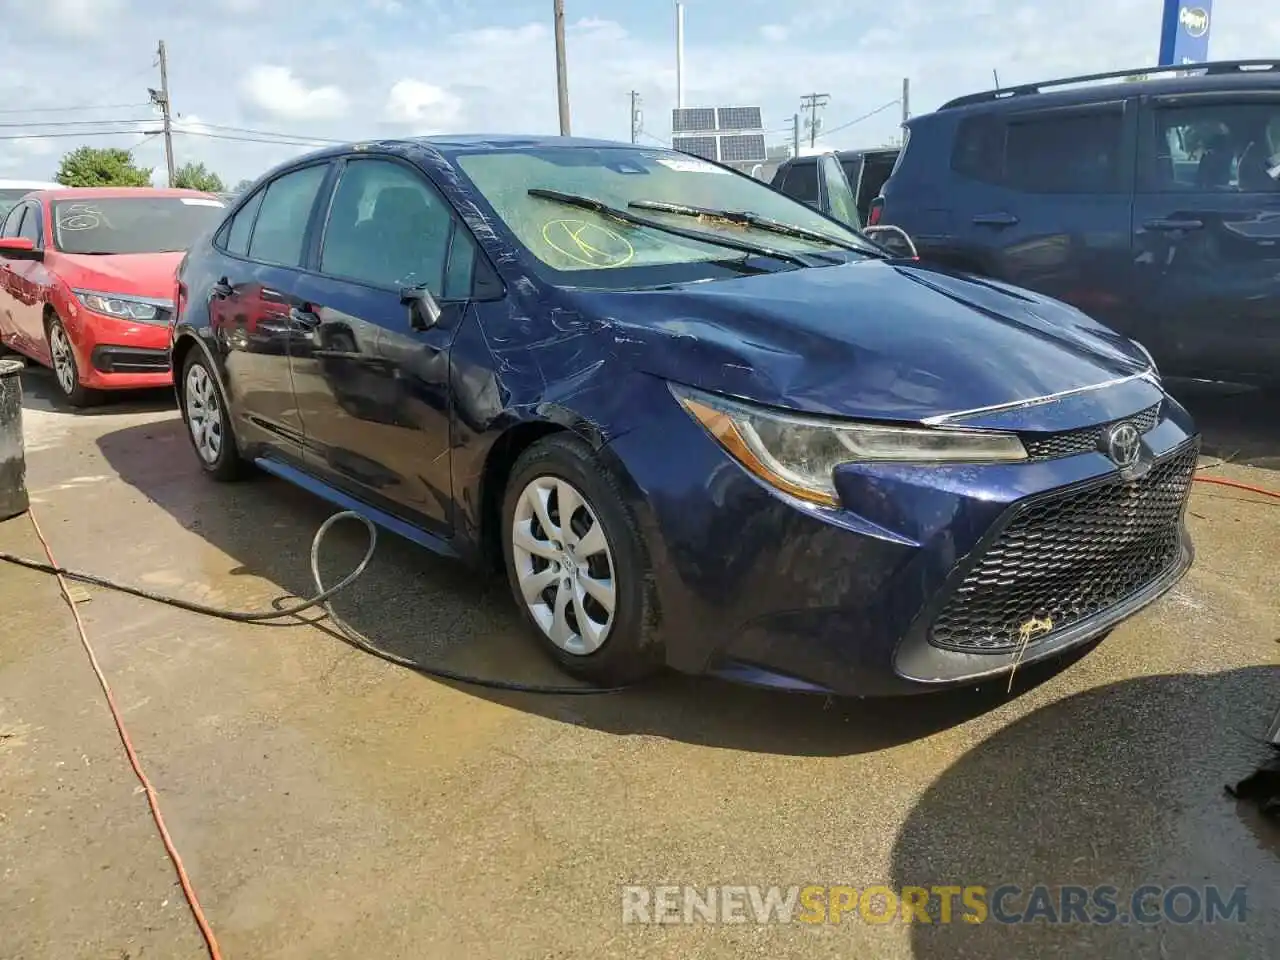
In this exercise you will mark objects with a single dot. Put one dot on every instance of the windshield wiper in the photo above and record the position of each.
(588, 203)
(749, 219)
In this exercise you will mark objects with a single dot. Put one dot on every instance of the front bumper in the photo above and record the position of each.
(115, 354)
(764, 589)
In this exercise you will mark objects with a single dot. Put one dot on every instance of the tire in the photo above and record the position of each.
(628, 650)
(204, 411)
(66, 373)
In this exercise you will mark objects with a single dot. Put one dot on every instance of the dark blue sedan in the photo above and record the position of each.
(699, 423)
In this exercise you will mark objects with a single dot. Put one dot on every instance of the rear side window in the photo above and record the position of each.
(1076, 152)
(802, 182)
(1218, 147)
(237, 238)
(281, 228)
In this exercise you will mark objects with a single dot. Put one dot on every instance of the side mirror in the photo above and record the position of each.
(19, 248)
(895, 240)
(424, 311)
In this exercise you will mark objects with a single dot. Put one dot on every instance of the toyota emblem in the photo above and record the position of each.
(1123, 443)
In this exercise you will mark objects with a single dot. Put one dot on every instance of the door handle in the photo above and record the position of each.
(303, 318)
(1161, 223)
(222, 289)
(995, 219)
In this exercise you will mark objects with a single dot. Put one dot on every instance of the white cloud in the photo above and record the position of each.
(775, 32)
(423, 106)
(33, 146)
(277, 91)
(77, 18)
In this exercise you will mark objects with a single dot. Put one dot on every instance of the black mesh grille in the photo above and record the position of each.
(1065, 558)
(1051, 446)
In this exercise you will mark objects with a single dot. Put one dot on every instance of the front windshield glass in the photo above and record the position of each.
(581, 242)
(116, 225)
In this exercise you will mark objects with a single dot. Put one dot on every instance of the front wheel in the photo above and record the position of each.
(208, 421)
(577, 564)
(65, 370)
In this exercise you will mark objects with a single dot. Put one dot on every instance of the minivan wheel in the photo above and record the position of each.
(208, 423)
(65, 371)
(577, 564)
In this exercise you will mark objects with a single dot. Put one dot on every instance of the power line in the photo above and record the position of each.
(244, 139)
(261, 133)
(105, 106)
(78, 133)
(72, 123)
(865, 116)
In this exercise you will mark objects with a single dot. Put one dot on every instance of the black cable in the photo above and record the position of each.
(320, 599)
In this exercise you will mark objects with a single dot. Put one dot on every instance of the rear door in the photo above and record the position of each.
(1048, 202)
(373, 389)
(1206, 234)
(263, 251)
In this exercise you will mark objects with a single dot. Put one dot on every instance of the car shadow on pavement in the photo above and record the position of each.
(40, 392)
(1117, 786)
(438, 613)
(1237, 424)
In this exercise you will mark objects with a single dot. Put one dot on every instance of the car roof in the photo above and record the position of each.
(111, 193)
(1217, 76)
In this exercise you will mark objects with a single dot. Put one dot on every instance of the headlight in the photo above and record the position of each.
(1155, 371)
(122, 307)
(798, 454)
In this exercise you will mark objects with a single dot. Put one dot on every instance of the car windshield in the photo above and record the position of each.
(113, 225)
(585, 244)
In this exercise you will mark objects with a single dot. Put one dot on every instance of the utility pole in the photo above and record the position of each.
(679, 54)
(795, 135)
(813, 102)
(635, 116)
(161, 99)
(562, 70)
(906, 104)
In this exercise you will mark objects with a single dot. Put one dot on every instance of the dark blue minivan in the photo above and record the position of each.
(699, 423)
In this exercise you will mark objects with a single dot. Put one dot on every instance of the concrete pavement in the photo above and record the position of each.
(328, 804)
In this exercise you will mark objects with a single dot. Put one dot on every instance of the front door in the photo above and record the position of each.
(372, 388)
(264, 250)
(22, 323)
(1206, 234)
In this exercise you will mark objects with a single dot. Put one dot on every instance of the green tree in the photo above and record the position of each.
(101, 167)
(241, 187)
(195, 176)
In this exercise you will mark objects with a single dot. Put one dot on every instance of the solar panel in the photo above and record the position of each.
(743, 148)
(699, 119)
(704, 147)
(739, 118)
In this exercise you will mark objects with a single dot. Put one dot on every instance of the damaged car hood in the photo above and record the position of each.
(872, 339)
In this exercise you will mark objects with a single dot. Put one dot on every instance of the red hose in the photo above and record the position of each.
(1239, 486)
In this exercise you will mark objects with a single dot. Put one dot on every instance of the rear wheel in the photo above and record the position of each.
(65, 370)
(577, 565)
(208, 421)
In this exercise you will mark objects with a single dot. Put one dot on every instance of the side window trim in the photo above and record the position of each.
(455, 221)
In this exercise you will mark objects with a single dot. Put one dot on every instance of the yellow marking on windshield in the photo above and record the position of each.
(588, 243)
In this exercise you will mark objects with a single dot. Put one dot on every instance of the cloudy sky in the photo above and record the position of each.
(353, 69)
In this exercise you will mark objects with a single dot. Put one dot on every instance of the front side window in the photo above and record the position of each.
(1223, 147)
(124, 225)
(281, 227)
(9, 197)
(802, 183)
(30, 228)
(12, 221)
(387, 227)
(839, 195)
(586, 246)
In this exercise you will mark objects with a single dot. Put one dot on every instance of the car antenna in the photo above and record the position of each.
(996, 76)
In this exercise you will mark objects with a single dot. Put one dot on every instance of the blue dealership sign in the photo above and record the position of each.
(1184, 34)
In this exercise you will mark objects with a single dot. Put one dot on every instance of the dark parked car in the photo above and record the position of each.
(820, 181)
(867, 171)
(698, 422)
(1152, 205)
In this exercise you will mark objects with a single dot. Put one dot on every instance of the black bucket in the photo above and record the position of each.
(13, 460)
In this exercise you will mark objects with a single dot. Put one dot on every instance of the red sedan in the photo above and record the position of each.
(87, 279)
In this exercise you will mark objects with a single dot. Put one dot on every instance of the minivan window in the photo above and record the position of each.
(1070, 153)
(386, 227)
(141, 224)
(281, 227)
(1233, 147)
